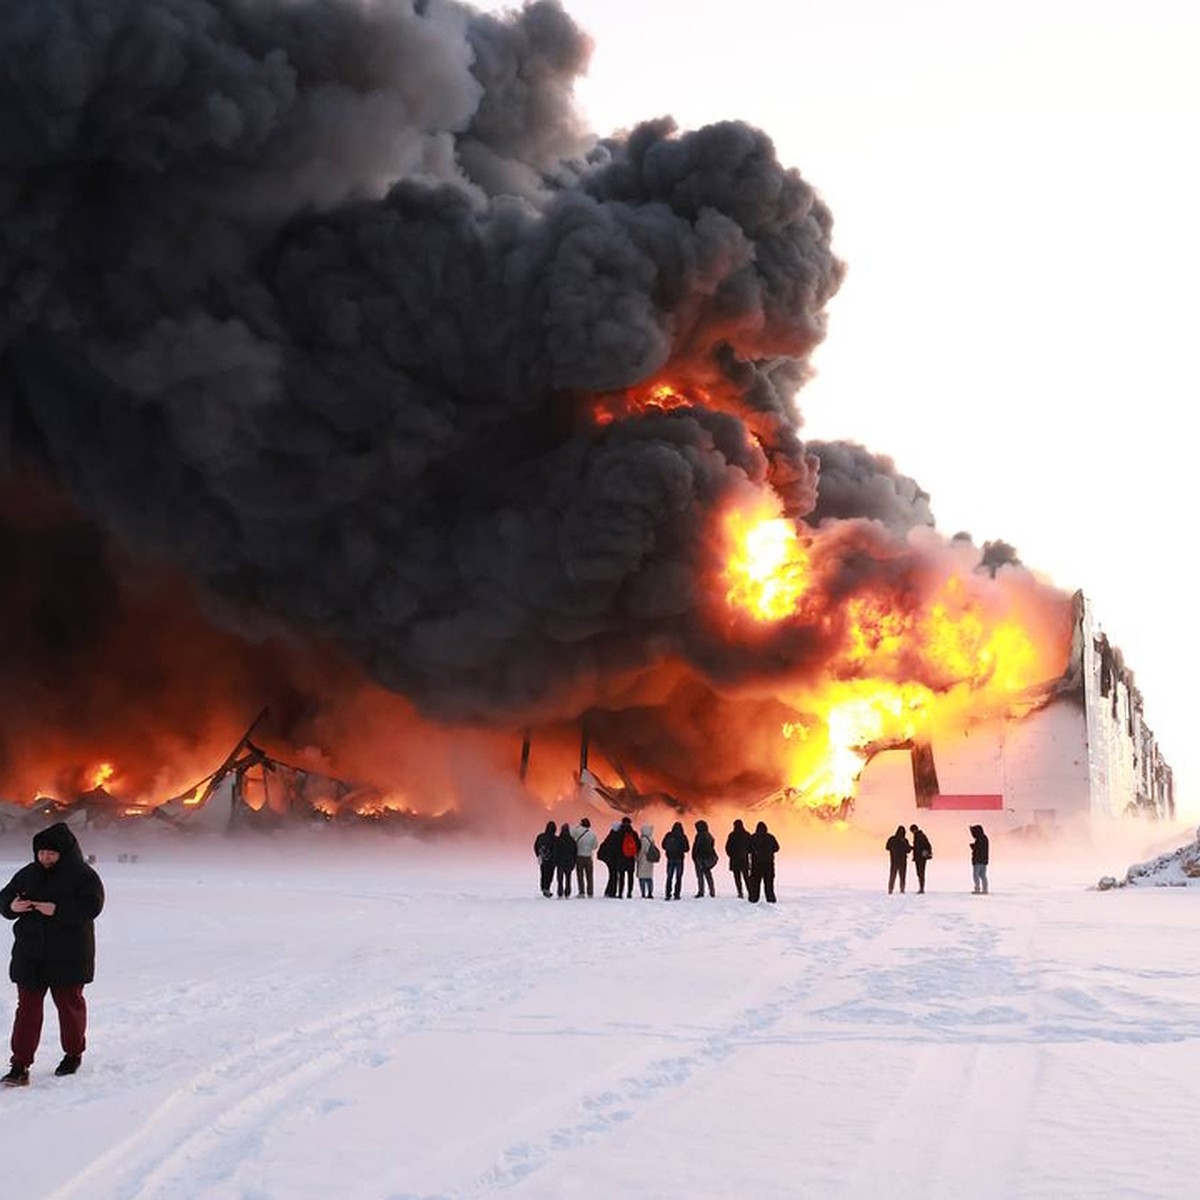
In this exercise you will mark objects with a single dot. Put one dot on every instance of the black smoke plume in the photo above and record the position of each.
(309, 314)
(855, 482)
(307, 299)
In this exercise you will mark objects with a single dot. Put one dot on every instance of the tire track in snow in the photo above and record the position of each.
(199, 1134)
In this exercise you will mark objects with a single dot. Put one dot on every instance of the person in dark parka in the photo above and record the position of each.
(979, 858)
(564, 860)
(704, 858)
(897, 847)
(922, 852)
(763, 848)
(543, 847)
(675, 846)
(610, 855)
(737, 850)
(53, 902)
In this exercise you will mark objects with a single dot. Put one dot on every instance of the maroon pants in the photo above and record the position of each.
(27, 1024)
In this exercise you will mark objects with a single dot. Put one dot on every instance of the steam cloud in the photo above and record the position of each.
(306, 303)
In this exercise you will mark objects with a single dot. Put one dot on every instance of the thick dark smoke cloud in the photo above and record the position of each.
(311, 300)
(855, 482)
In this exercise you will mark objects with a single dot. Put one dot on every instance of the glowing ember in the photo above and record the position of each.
(194, 796)
(384, 805)
(655, 397)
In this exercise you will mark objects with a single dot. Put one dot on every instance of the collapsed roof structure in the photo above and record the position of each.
(249, 789)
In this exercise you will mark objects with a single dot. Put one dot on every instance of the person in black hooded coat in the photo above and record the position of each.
(564, 860)
(737, 851)
(53, 902)
(543, 849)
(979, 858)
(704, 858)
(922, 852)
(763, 848)
(675, 846)
(897, 847)
(610, 855)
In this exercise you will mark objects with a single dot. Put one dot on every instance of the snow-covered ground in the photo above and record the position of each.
(372, 1018)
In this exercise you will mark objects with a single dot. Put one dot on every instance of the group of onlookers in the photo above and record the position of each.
(899, 847)
(566, 852)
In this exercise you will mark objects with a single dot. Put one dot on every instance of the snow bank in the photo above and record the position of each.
(1176, 868)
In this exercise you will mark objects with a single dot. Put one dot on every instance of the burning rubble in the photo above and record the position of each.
(343, 371)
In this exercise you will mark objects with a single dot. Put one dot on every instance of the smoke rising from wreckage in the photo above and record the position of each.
(343, 369)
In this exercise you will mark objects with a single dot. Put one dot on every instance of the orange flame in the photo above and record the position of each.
(101, 775)
(948, 649)
(652, 397)
(766, 568)
(827, 753)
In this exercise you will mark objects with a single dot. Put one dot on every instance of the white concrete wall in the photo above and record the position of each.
(1040, 765)
(1046, 767)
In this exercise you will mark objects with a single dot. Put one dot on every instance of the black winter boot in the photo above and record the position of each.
(17, 1076)
(69, 1065)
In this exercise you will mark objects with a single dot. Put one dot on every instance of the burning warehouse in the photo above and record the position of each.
(342, 370)
(1082, 750)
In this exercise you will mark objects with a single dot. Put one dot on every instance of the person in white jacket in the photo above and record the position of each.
(648, 855)
(585, 848)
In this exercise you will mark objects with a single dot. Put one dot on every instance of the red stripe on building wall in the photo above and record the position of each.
(965, 803)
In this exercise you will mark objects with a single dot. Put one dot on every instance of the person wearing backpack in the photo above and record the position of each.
(648, 855)
(704, 858)
(630, 845)
(922, 852)
(675, 846)
(543, 848)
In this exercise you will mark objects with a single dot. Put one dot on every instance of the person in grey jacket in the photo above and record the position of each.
(645, 864)
(585, 846)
